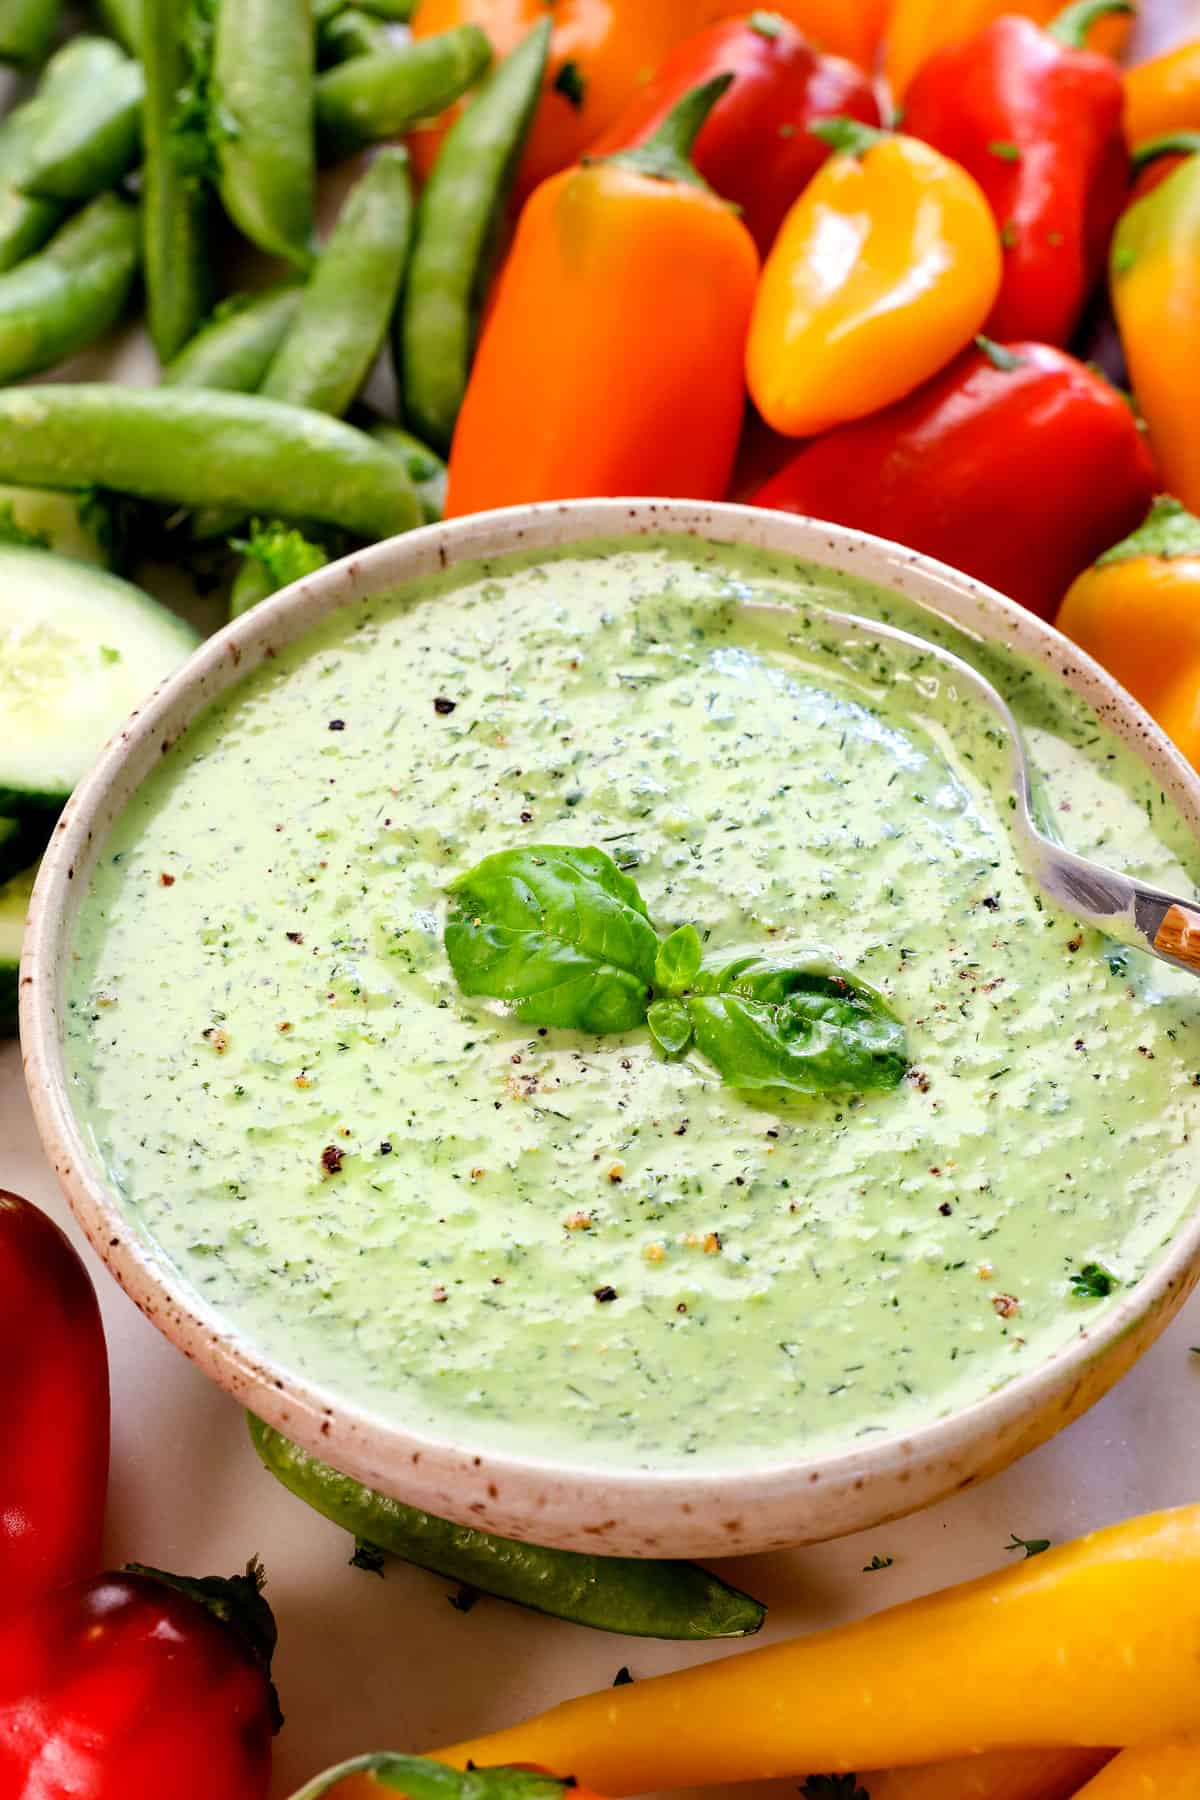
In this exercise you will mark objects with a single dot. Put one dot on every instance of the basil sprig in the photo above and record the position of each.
(563, 935)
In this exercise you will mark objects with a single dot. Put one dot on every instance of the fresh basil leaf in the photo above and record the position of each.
(679, 959)
(559, 932)
(670, 1026)
(797, 1024)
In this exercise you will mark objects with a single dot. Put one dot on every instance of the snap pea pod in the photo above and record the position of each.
(27, 29)
(233, 350)
(81, 150)
(455, 239)
(71, 292)
(70, 75)
(343, 316)
(123, 19)
(375, 97)
(175, 205)
(350, 33)
(426, 470)
(263, 56)
(197, 447)
(610, 1593)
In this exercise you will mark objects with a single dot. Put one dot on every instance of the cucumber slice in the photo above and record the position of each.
(78, 525)
(14, 904)
(78, 650)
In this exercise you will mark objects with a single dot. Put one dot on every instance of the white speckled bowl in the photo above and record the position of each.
(593, 1509)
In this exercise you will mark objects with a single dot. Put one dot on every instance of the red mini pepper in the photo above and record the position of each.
(139, 1684)
(1016, 464)
(755, 148)
(54, 1441)
(1036, 119)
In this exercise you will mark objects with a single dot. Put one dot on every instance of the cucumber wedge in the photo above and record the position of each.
(14, 904)
(79, 649)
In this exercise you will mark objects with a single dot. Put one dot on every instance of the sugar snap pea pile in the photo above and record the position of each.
(145, 148)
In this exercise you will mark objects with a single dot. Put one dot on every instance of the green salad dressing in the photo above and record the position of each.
(543, 1241)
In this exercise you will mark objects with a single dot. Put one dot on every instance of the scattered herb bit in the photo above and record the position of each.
(337, 724)
(563, 935)
(367, 1556)
(464, 1600)
(878, 1562)
(444, 706)
(1031, 1546)
(604, 1294)
(1093, 1282)
(1006, 151)
(569, 82)
(1008, 235)
(286, 554)
(834, 1787)
(623, 1678)
(1123, 259)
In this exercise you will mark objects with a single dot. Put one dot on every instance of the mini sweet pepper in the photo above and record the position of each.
(1159, 157)
(611, 359)
(1036, 119)
(886, 266)
(1017, 464)
(919, 28)
(1155, 286)
(1163, 94)
(1137, 611)
(755, 148)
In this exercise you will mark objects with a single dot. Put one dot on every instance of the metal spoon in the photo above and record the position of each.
(1144, 917)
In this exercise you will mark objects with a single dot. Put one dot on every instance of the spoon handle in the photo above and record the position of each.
(1179, 935)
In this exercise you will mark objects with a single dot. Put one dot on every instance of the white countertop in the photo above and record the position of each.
(368, 1664)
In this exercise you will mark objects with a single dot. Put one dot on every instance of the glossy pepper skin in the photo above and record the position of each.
(919, 28)
(54, 1442)
(1154, 281)
(1019, 474)
(850, 28)
(755, 148)
(1163, 94)
(1037, 122)
(1159, 157)
(1137, 611)
(886, 266)
(611, 359)
(126, 1685)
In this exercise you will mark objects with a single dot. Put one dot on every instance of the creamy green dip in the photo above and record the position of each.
(415, 1200)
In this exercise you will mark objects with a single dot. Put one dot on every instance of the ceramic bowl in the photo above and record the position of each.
(635, 1513)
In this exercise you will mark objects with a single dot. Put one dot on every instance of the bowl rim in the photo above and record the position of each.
(724, 1510)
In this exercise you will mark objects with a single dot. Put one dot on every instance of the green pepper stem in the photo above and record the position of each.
(1171, 143)
(1168, 530)
(850, 137)
(1072, 25)
(667, 155)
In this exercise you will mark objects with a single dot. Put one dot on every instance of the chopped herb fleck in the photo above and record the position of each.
(464, 1600)
(569, 82)
(1006, 151)
(1031, 1546)
(623, 1678)
(878, 1562)
(367, 1556)
(1093, 1282)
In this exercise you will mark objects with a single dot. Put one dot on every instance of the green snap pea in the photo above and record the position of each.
(198, 447)
(335, 336)
(426, 470)
(233, 350)
(263, 54)
(79, 151)
(455, 239)
(610, 1593)
(275, 558)
(350, 33)
(27, 29)
(175, 208)
(123, 19)
(376, 97)
(71, 292)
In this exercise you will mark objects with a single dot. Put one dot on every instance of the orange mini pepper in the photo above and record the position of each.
(611, 360)
(1137, 611)
(600, 52)
(884, 269)
(1163, 94)
(1155, 284)
(996, 1775)
(919, 27)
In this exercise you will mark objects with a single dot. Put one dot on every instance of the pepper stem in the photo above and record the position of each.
(1168, 530)
(1172, 143)
(236, 1603)
(667, 155)
(849, 136)
(1071, 27)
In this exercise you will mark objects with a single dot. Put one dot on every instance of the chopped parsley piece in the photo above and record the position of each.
(623, 1678)
(367, 1556)
(464, 1600)
(1031, 1546)
(878, 1562)
(569, 82)
(1093, 1282)
(1007, 152)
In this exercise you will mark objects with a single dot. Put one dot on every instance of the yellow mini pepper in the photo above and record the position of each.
(1154, 270)
(1137, 611)
(1163, 94)
(885, 268)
